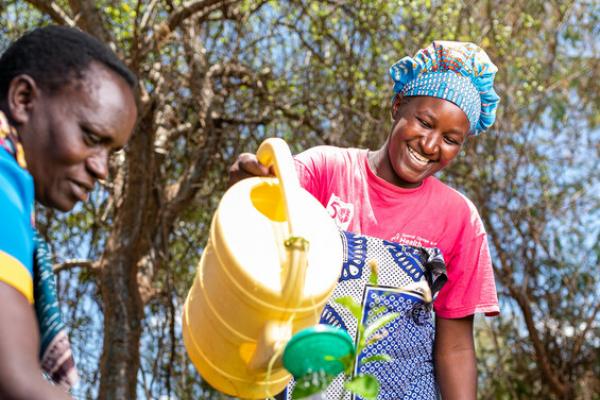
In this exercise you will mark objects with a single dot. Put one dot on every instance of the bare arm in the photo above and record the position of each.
(20, 372)
(454, 354)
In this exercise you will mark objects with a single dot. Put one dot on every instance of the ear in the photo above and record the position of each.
(396, 105)
(21, 97)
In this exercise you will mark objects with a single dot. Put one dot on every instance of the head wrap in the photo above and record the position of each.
(459, 72)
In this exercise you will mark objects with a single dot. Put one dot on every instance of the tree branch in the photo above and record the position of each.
(89, 18)
(558, 387)
(177, 17)
(57, 14)
(93, 266)
(144, 22)
(588, 325)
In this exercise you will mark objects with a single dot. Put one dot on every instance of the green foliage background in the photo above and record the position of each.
(217, 77)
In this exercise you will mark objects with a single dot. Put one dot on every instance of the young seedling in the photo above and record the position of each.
(364, 385)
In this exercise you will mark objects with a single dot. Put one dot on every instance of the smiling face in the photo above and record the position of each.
(427, 135)
(68, 136)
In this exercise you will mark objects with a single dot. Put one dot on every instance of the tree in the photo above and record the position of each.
(217, 77)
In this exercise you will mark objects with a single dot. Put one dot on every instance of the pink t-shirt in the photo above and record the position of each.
(432, 215)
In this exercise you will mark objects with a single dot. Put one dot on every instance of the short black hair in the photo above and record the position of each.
(54, 56)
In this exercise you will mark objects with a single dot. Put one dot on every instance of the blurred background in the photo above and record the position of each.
(217, 77)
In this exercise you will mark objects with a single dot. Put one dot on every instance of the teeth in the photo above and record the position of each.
(417, 156)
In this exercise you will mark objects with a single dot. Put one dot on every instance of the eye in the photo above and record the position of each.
(452, 141)
(424, 123)
(91, 138)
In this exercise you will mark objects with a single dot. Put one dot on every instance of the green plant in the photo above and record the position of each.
(364, 385)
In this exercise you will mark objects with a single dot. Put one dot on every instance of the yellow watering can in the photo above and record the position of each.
(272, 260)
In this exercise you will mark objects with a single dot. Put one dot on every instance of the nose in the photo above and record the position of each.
(97, 164)
(430, 143)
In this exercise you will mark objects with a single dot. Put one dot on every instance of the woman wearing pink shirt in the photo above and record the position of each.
(443, 95)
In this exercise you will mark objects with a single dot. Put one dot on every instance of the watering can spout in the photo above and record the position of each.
(269, 348)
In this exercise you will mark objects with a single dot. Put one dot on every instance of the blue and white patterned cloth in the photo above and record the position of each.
(409, 338)
(459, 72)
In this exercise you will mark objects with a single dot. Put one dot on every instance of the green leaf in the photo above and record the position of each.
(348, 363)
(366, 386)
(378, 311)
(311, 384)
(377, 357)
(351, 305)
(374, 272)
(380, 323)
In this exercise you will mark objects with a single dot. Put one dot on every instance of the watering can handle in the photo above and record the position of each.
(275, 152)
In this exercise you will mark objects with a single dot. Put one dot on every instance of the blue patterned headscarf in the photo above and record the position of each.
(459, 72)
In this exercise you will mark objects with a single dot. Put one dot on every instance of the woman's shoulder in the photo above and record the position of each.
(452, 198)
(330, 150)
(332, 155)
(16, 182)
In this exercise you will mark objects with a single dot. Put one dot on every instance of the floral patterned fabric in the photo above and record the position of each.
(409, 278)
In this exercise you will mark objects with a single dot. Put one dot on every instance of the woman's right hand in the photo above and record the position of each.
(246, 166)
(20, 374)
